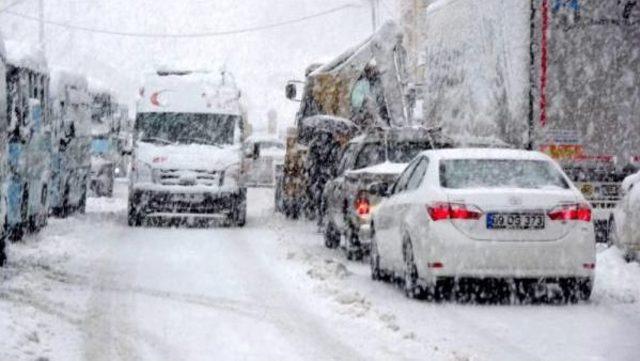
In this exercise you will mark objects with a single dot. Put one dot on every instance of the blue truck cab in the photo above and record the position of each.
(29, 140)
(71, 141)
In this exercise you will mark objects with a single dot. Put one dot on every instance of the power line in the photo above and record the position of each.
(11, 5)
(187, 35)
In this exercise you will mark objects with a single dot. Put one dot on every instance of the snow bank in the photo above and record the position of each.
(616, 280)
(24, 55)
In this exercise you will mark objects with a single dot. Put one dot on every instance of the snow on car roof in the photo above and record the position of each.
(383, 168)
(24, 55)
(488, 153)
(62, 78)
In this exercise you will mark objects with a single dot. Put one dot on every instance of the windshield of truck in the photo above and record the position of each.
(100, 146)
(397, 152)
(500, 173)
(186, 128)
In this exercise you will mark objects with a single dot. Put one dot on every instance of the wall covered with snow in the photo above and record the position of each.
(476, 68)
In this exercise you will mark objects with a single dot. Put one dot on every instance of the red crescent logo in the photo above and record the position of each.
(154, 98)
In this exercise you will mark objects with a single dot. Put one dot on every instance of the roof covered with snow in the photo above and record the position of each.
(98, 87)
(24, 55)
(190, 92)
(475, 153)
(62, 78)
(383, 168)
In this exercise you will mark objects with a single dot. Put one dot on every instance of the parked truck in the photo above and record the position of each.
(71, 112)
(29, 137)
(559, 76)
(104, 136)
(3, 150)
(362, 88)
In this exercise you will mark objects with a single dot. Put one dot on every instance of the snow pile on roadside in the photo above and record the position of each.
(616, 280)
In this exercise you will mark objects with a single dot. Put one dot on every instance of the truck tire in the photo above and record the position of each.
(134, 217)
(82, 205)
(239, 212)
(3, 237)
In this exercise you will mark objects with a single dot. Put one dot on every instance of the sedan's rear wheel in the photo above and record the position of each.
(412, 288)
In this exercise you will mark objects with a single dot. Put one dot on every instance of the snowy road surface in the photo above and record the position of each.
(91, 288)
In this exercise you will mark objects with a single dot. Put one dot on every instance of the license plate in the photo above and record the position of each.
(190, 198)
(525, 221)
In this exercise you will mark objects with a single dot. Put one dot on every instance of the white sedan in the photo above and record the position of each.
(627, 219)
(469, 214)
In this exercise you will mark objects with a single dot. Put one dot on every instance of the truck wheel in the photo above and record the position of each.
(82, 205)
(3, 254)
(239, 212)
(331, 236)
(353, 248)
(577, 289)
(134, 218)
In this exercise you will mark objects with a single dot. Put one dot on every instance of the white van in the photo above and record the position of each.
(187, 152)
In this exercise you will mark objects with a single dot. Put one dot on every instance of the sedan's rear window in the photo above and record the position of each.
(500, 173)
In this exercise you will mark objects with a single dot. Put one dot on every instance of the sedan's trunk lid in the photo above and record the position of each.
(513, 214)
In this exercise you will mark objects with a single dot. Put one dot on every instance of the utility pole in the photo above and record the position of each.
(374, 14)
(41, 26)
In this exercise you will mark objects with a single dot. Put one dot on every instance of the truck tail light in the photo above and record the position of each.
(363, 207)
(442, 211)
(571, 212)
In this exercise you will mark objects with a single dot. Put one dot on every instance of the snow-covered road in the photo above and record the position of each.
(91, 288)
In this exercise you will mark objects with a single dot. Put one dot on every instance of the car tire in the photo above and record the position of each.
(412, 288)
(331, 236)
(239, 212)
(629, 256)
(374, 259)
(353, 248)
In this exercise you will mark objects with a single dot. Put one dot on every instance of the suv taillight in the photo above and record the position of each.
(441, 211)
(363, 207)
(571, 212)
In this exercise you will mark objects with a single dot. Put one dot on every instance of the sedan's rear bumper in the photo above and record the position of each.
(449, 253)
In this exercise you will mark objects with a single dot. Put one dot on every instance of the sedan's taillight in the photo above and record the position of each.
(571, 212)
(363, 207)
(442, 211)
